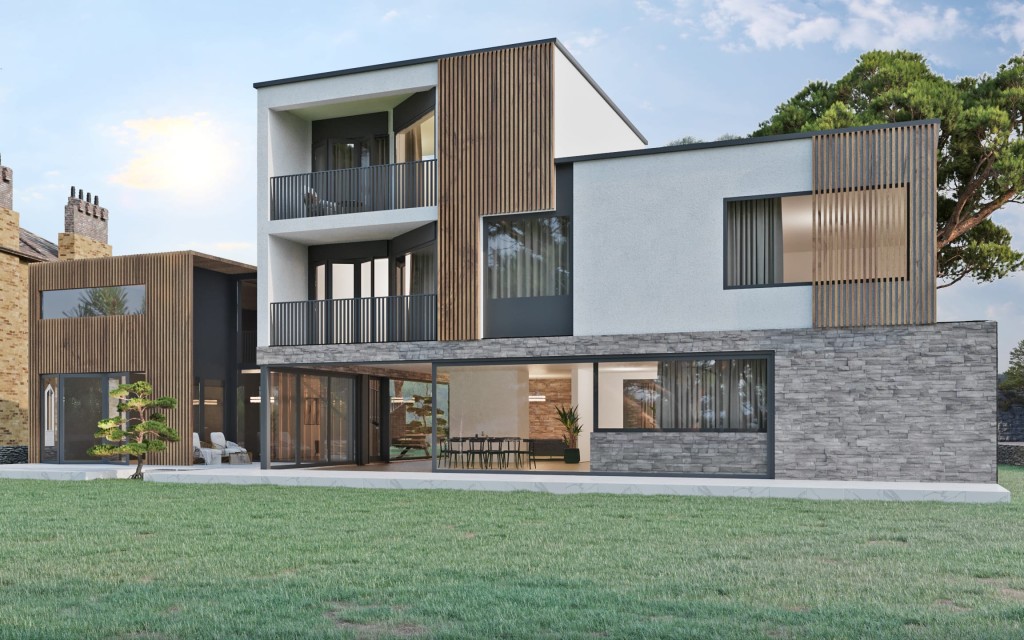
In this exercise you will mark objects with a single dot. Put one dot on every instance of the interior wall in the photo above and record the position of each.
(557, 392)
(610, 397)
(488, 400)
(583, 398)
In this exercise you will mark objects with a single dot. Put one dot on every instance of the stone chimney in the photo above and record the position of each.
(85, 228)
(6, 187)
(9, 219)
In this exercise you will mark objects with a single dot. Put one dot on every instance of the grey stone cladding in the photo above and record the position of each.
(1011, 453)
(17, 454)
(912, 403)
(1010, 419)
(679, 452)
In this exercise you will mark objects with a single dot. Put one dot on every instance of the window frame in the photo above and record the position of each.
(145, 301)
(786, 194)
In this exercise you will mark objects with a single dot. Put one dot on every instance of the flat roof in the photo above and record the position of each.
(435, 58)
(737, 142)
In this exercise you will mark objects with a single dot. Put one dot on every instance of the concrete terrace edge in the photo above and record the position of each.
(541, 483)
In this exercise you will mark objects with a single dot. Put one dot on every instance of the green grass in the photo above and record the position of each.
(121, 559)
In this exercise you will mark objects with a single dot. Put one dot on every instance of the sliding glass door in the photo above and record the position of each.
(72, 405)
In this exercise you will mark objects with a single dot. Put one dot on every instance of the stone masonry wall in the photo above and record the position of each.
(1010, 419)
(71, 246)
(914, 403)
(683, 452)
(544, 415)
(13, 336)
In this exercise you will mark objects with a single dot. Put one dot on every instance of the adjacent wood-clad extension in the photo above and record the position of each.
(157, 342)
(495, 155)
(855, 176)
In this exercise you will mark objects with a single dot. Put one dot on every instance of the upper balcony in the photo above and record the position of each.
(374, 188)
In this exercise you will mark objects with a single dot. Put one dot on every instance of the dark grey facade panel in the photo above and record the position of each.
(413, 108)
(361, 126)
(528, 317)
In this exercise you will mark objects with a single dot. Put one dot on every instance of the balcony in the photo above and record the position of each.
(354, 320)
(375, 188)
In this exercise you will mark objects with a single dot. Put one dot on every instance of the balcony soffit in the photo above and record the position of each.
(354, 107)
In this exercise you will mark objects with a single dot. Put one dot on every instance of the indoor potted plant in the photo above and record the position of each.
(570, 419)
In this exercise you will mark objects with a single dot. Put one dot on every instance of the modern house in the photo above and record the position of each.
(184, 321)
(452, 247)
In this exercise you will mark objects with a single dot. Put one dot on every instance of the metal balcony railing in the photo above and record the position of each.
(354, 320)
(375, 188)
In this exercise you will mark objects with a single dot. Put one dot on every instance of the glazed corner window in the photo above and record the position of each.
(768, 240)
(126, 300)
(527, 256)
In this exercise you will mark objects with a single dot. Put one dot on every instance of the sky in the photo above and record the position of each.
(150, 105)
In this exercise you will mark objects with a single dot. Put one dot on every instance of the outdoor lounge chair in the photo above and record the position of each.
(234, 452)
(208, 455)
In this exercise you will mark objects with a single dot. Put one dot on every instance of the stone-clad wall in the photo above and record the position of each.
(912, 403)
(683, 452)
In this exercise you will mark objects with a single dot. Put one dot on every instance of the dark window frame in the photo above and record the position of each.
(145, 301)
(725, 239)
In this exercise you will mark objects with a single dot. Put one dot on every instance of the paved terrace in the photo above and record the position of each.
(544, 483)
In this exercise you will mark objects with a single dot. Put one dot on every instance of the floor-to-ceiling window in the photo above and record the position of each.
(72, 406)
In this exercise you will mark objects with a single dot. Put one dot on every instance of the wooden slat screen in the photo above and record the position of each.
(861, 234)
(157, 342)
(495, 155)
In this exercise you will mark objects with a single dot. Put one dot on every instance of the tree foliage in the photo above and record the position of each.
(101, 301)
(981, 145)
(1013, 378)
(139, 428)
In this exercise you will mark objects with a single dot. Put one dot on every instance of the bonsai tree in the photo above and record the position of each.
(139, 428)
(570, 419)
(423, 409)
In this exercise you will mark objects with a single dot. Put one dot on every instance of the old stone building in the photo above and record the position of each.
(85, 236)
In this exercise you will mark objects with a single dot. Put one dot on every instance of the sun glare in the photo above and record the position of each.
(185, 154)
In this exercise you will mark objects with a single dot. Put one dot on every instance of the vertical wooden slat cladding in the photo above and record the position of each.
(157, 342)
(495, 155)
(861, 277)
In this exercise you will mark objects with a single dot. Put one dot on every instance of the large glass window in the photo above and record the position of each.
(721, 394)
(122, 300)
(768, 241)
(527, 256)
(416, 142)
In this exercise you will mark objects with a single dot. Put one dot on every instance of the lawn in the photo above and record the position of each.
(122, 559)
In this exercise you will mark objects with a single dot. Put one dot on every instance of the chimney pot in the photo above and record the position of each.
(97, 201)
(72, 191)
(80, 194)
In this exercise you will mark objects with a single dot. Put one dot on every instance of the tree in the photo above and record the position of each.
(423, 409)
(139, 428)
(101, 301)
(981, 145)
(1013, 378)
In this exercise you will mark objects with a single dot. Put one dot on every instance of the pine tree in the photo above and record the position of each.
(1013, 377)
(139, 428)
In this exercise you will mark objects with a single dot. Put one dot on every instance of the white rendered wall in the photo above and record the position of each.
(648, 240)
(583, 400)
(584, 122)
(282, 277)
(283, 147)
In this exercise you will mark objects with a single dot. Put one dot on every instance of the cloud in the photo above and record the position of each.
(768, 25)
(390, 15)
(585, 40)
(1011, 24)
(184, 154)
(745, 25)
